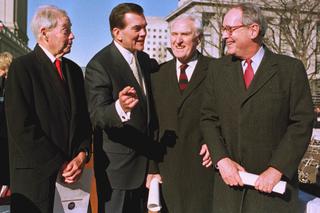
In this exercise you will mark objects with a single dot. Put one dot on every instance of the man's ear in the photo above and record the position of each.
(117, 34)
(43, 32)
(254, 31)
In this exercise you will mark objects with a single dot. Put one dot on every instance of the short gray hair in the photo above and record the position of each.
(251, 13)
(197, 23)
(46, 16)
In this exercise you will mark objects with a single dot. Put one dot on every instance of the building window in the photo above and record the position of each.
(160, 36)
(154, 30)
(154, 36)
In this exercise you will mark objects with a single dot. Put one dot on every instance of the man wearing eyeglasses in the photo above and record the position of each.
(256, 117)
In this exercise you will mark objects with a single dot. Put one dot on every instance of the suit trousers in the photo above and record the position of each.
(126, 201)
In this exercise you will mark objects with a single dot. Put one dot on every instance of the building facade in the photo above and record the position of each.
(13, 30)
(157, 41)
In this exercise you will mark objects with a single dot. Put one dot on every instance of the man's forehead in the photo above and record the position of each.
(234, 15)
(183, 26)
(134, 19)
(64, 21)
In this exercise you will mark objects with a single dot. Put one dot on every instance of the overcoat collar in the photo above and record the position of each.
(49, 74)
(234, 76)
(197, 77)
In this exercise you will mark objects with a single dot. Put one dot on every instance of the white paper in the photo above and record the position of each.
(250, 179)
(154, 196)
(73, 198)
(313, 206)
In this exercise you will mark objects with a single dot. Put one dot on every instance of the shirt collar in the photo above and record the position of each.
(49, 54)
(191, 63)
(124, 52)
(256, 59)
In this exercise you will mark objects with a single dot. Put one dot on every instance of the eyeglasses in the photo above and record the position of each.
(230, 29)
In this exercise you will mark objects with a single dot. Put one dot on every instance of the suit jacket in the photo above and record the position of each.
(269, 124)
(122, 149)
(48, 122)
(187, 186)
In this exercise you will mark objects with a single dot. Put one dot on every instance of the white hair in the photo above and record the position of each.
(196, 22)
(47, 17)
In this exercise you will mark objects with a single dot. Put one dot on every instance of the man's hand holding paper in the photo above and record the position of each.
(267, 180)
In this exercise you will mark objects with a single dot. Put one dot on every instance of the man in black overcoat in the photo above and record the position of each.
(48, 122)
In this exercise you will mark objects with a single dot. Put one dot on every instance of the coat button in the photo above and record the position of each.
(71, 205)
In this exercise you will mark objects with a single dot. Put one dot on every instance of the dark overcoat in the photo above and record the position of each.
(48, 124)
(267, 125)
(187, 185)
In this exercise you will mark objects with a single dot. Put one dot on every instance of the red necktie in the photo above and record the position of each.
(248, 73)
(183, 79)
(58, 66)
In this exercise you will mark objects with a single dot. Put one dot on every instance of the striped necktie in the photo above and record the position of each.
(183, 79)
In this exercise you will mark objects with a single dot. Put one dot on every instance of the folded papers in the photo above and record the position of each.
(250, 179)
(154, 196)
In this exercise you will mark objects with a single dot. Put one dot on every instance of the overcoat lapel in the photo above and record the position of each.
(233, 76)
(265, 72)
(48, 73)
(197, 77)
(73, 103)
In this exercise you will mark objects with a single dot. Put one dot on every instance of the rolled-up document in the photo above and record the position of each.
(154, 196)
(250, 179)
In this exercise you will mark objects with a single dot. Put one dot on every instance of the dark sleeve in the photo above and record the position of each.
(99, 92)
(24, 128)
(291, 148)
(209, 123)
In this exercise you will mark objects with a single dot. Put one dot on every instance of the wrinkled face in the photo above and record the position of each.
(60, 38)
(239, 39)
(132, 36)
(184, 39)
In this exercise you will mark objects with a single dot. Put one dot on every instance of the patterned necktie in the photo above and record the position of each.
(183, 79)
(248, 73)
(57, 62)
(137, 73)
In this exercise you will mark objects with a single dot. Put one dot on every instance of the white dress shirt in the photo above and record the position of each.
(191, 65)
(256, 60)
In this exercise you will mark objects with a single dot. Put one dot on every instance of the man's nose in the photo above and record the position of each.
(71, 36)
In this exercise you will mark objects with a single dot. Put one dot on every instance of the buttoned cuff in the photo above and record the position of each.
(124, 117)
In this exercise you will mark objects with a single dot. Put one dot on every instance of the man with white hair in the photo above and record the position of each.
(46, 110)
(177, 89)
